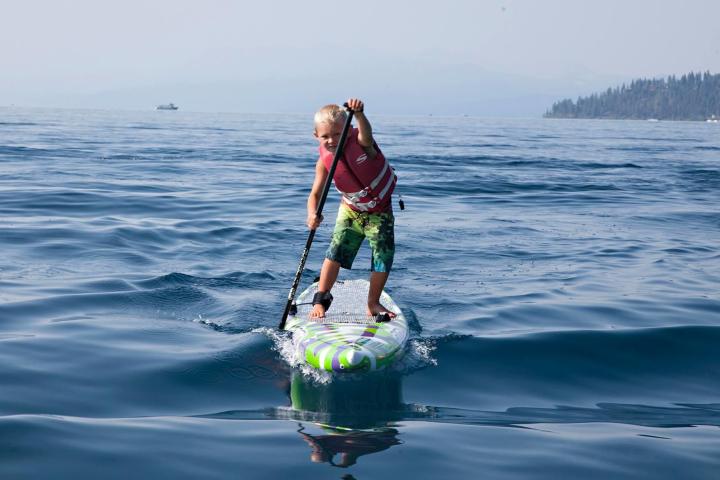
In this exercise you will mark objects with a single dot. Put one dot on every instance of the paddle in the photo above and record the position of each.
(318, 211)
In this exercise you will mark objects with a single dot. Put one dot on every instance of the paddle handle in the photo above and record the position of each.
(318, 212)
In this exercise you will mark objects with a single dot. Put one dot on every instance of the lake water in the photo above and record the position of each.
(562, 279)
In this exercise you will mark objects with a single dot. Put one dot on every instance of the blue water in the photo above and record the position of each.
(562, 279)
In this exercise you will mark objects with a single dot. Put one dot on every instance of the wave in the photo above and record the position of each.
(679, 416)
(176, 295)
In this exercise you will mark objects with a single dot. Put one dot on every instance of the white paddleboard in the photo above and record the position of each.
(347, 339)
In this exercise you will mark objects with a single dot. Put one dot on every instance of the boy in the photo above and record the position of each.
(366, 182)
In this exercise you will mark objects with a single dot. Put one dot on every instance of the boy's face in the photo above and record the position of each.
(328, 134)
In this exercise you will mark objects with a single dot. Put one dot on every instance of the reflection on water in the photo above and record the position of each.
(358, 415)
(349, 417)
(354, 402)
(341, 448)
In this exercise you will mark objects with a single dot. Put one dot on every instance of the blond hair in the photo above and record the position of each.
(330, 114)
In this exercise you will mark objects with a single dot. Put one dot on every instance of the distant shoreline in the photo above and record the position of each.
(692, 97)
(651, 120)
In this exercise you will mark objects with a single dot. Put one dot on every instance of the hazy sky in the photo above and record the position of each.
(485, 57)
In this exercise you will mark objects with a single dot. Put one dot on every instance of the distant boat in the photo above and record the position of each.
(169, 106)
(713, 119)
(653, 120)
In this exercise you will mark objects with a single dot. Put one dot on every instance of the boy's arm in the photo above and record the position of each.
(320, 175)
(365, 136)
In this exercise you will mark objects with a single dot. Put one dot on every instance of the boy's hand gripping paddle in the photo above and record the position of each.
(290, 306)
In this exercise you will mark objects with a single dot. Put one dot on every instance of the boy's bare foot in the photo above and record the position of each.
(318, 311)
(377, 309)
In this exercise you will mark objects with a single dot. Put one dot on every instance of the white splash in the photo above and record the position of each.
(283, 344)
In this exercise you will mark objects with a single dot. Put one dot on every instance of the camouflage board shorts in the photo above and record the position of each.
(352, 227)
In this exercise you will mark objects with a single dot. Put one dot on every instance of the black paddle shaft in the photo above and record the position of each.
(318, 212)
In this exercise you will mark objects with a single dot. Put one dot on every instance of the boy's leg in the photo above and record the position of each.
(328, 275)
(377, 283)
(380, 232)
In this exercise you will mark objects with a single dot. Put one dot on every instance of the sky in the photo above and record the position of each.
(502, 58)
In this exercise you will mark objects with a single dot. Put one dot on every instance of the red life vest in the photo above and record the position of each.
(366, 184)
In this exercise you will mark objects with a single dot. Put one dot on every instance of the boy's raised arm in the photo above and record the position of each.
(365, 136)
